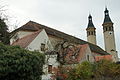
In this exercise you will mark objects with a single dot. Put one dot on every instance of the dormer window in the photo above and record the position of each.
(42, 47)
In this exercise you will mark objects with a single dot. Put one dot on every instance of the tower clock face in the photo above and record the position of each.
(110, 32)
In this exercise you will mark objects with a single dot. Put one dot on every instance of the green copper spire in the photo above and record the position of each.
(107, 18)
(90, 23)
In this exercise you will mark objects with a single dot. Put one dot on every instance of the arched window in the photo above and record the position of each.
(88, 33)
(106, 29)
(110, 29)
(91, 33)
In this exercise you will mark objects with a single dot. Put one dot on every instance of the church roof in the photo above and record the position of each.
(106, 57)
(25, 41)
(54, 32)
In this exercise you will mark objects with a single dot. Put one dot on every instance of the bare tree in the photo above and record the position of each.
(4, 34)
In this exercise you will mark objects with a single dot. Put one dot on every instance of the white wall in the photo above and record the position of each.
(50, 60)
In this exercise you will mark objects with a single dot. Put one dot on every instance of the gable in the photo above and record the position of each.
(42, 38)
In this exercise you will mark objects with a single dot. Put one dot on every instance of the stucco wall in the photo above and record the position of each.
(50, 60)
(54, 40)
(109, 41)
(110, 46)
(91, 39)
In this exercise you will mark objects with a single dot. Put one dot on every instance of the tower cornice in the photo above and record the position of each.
(107, 24)
(91, 29)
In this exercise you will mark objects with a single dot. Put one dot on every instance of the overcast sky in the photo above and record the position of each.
(69, 16)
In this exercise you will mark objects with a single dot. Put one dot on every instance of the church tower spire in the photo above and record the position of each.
(107, 18)
(91, 33)
(109, 39)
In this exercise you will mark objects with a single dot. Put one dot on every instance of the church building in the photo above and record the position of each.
(63, 49)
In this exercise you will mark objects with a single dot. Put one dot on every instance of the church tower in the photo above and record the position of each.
(91, 33)
(109, 38)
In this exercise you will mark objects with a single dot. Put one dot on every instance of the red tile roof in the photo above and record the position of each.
(25, 41)
(106, 57)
